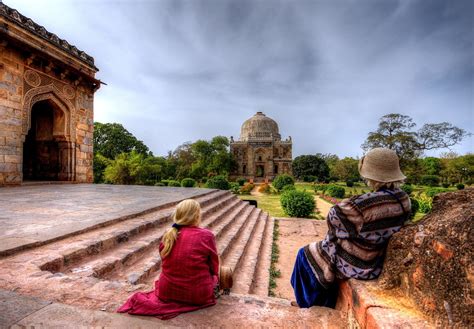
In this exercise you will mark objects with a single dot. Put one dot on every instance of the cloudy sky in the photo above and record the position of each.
(326, 71)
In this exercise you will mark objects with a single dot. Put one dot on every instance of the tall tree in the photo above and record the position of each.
(346, 169)
(305, 166)
(395, 131)
(112, 139)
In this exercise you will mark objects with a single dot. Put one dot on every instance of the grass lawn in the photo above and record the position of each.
(267, 202)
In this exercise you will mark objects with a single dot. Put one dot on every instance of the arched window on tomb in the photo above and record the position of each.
(259, 158)
(275, 169)
(244, 169)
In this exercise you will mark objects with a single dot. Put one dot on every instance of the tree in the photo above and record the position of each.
(310, 165)
(346, 169)
(432, 166)
(112, 139)
(395, 131)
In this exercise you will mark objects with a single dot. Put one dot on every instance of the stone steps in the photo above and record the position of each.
(245, 273)
(261, 276)
(66, 254)
(126, 254)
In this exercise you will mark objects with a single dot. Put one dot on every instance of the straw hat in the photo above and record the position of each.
(381, 165)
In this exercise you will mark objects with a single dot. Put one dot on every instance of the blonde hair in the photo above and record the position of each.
(375, 185)
(188, 212)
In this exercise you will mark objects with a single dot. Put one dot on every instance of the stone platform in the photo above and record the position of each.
(34, 215)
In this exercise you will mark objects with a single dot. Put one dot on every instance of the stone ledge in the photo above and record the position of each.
(241, 311)
(369, 307)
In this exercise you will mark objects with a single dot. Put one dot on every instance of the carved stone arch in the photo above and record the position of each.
(52, 93)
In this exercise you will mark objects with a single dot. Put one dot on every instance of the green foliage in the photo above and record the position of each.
(273, 271)
(309, 166)
(247, 188)
(445, 185)
(174, 183)
(297, 203)
(415, 206)
(320, 187)
(335, 191)
(188, 182)
(349, 183)
(125, 169)
(346, 169)
(241, 181)
(407, 188)
(310, 178)
(431, 166)
(160, 184)
(432, 191)
(264, 188)
(425, 203)
(218, 182)
(430, 180)
(282, 180)
(112, 139)
(235, 188)
(460, 186)
(100, 163)
(287, 188)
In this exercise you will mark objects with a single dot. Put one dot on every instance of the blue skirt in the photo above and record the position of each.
(308, 291)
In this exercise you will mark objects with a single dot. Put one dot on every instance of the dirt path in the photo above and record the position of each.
(294, 234)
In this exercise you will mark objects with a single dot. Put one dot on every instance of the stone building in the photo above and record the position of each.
(260, 153)
(46, 104)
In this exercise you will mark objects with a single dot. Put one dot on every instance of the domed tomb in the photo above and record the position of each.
(260, 153)
(259, 127)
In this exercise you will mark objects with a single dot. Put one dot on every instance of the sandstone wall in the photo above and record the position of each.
(25, 81)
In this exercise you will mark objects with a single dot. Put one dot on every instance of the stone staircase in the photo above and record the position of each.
(126, 253)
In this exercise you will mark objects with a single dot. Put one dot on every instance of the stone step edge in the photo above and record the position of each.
(366, 310)
(264, 259)
(43, 313)
(27, 246)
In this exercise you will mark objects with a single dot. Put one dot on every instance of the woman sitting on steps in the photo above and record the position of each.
(190, 267)
(359, 229)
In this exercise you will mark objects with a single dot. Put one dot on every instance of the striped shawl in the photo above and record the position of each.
(359, 230)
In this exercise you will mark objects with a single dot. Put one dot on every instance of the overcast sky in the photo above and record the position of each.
(326, 71)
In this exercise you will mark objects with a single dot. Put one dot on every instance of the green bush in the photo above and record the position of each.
(460, 186)
(445, 185)
(160, 184)
(188, 182)
(407, 188)
(335, 191)
(430, 180)
(309, 178)
(241, 181)
(235, 188)
(287, 188)
(415, 206)
(174, 183)
(297, 203)
(432, 191)
(247, 188)
(349, 183)
(218, 182)
(282, 180)
(204, 180)
(319, 187)
(425, 203)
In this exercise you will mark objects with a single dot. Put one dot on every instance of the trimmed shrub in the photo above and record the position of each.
(430, 180)
(247, 188)
(432, 191)
(349, 183)
(235, 188)
(415, 206)
(309, 178)
(425, 203)
(320, 188)
(287, 188)
(218, 182)
(335, 191)
(160, 184)
(460, 186)
(297, 203)
(264, 188)
(445, 185)
(174, 183)
(407, 188)
(241, 181)
(282, 180)
(188, 182)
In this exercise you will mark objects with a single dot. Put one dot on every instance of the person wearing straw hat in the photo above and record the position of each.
(359, 229)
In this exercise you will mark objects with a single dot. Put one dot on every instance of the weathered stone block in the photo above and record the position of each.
(13, 158)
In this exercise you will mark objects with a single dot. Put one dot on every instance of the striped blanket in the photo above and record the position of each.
(359, 230)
